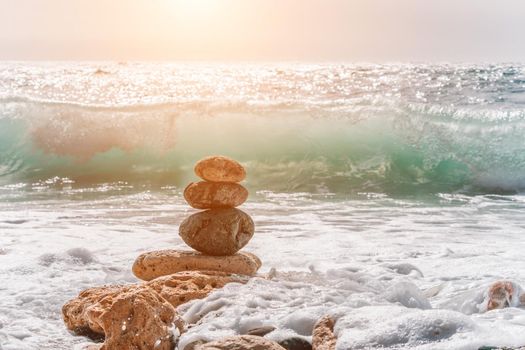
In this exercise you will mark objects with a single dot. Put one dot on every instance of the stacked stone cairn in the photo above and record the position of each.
(141, 316)
(217, 233)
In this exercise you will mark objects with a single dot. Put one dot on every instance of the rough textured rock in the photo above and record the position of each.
(219, 169)
(87, 314)
(82, 314)
(182, 287)
(243, 342)
(166, 262)
(295, 344)
(209, 195)
(138, 319)
(128, 317)
(502, 294)
(323, 335)
(217, 231)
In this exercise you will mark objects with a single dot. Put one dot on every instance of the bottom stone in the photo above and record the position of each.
(127, 317)
(165, 262)
(88, 314)
(139, 319)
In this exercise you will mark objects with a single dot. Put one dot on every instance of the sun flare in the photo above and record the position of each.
(194, 7)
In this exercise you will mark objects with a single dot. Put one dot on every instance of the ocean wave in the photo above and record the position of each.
(392, 149)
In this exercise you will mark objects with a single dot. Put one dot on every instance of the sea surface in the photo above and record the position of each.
(389, 196)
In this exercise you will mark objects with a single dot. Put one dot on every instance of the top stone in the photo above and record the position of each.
(219, 169)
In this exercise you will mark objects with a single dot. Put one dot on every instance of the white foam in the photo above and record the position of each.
(394, 273)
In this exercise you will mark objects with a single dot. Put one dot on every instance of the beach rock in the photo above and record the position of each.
(82, 314)
(127, 317)
(502, 294)
(154, 264)
(243, 342)
(323, 337)
(217, 231)
(219, 169)
(85, 314)
(295, 343)
(138, 319)
(261, 331)
(209, 195)
(182, 287)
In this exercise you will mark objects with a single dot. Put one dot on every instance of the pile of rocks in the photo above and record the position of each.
(217, 233)
(141, 316)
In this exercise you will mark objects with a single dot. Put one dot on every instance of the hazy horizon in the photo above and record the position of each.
(263, 30)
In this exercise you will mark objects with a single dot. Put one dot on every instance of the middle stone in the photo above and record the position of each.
(221, 231)
(209, 195)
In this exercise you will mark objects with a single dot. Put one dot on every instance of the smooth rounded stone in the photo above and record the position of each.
(243, 342)
(209, 195)
(323, 337)
(219, 169)
(217, 231)
(154, 264)
(295, 343)
(261, 331)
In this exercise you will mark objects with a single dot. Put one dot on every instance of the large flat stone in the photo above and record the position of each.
(166, 262)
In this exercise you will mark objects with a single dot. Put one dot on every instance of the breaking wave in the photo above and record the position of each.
(404, 149)
(397, 129)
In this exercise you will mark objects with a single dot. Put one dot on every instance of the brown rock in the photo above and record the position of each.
(219, 169)
(261, 331)
(166, 262)
(128, 317)
(87, 314)
(217, 231)
(92, 301)
(182, 287)
(138, 319)
(502, 294)
(323, 335)
(243, 342)
(295, 343)
(209, 195)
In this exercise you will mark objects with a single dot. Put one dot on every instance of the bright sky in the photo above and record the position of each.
(263, 30)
